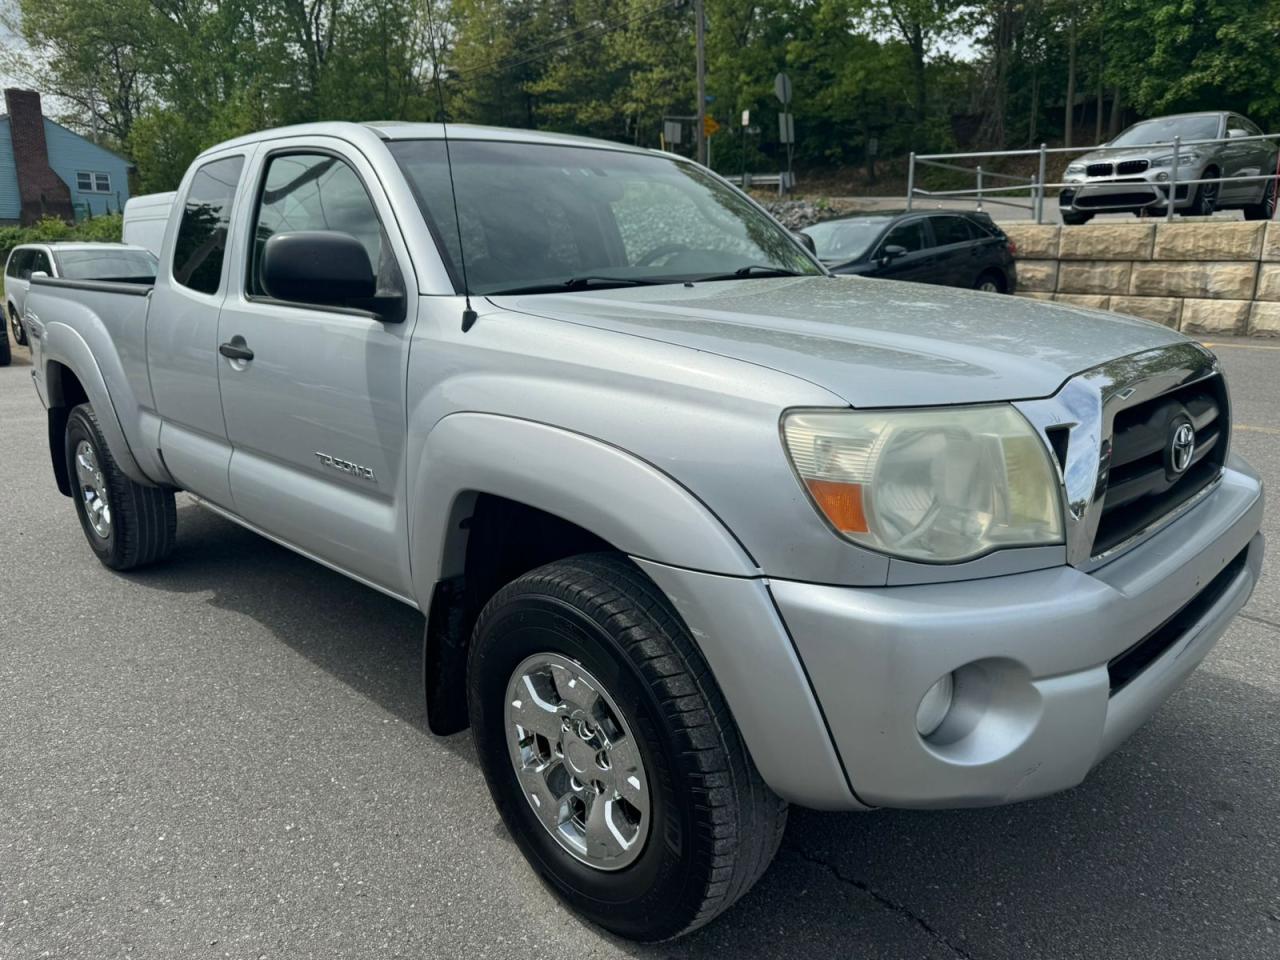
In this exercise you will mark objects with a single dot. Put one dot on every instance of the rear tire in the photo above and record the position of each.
(127, 525)
(19, 331)
(1074, 219)
(1265, 208)
(989, 281)
(706, 825)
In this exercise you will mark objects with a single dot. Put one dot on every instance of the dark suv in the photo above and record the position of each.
(956, 248)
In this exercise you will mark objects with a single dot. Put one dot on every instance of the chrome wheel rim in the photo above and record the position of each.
(577, 762)
(1210, 201)
(93, 490)
(988, 286)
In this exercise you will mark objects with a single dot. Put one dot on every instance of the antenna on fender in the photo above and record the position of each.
(469, 316)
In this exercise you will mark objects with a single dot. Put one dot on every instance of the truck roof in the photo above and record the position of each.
(402, 130)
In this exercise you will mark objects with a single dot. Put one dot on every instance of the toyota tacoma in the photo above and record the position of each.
(698, 529)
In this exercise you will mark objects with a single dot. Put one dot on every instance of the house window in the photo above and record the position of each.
(88, 182)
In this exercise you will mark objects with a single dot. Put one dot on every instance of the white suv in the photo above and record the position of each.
(72, 261)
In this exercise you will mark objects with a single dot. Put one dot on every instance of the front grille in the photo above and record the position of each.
(1126, 167)
(1134, 199)
(1098, 169)
(1140, 480)
(1122, 669)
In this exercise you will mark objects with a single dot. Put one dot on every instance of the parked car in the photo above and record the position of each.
(698, 528)
(1136, 179)
(74, 261)
(145, 218)
(956, 248)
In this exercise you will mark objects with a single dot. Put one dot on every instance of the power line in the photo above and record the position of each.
(552, 45)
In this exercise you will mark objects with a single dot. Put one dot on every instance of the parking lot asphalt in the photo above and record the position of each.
(226, 757)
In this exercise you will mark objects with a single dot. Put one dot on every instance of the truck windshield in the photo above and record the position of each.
(137, 265)
(540, 217)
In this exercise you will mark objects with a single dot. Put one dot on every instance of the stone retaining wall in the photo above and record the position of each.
(1198, 277)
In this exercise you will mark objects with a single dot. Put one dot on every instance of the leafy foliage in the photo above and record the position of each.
(163, 79)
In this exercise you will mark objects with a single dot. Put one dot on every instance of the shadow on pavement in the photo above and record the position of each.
(1171, 848)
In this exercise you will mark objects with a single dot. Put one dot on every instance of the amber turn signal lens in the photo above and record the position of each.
(841, 502)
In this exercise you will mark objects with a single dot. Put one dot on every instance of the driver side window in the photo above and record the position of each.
(909, 236)
(317, 191)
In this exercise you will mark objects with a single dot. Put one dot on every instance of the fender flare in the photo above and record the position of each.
(626, 501)
(64, 346)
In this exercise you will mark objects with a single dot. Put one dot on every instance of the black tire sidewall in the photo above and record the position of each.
(81, 427)
(993, 277)
(664, 878)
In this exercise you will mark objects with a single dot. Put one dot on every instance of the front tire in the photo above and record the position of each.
(127, 525)
(585, 688)
(1206, 200)
(1073, 219)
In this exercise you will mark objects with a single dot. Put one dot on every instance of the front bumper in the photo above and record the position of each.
(1140, 192)
(1037, 705)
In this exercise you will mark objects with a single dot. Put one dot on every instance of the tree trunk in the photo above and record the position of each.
(918, 66)
(1117, 111)
(1097, 120)
(1035, 105)
(1070, 115)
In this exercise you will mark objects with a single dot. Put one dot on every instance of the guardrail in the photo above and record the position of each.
(1035, 186)
(747, 181)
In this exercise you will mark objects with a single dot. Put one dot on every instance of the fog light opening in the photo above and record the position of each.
(935, 705)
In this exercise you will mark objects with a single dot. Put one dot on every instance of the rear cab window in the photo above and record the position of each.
(201, 244)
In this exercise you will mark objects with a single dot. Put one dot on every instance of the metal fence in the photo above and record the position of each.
(1035, 187)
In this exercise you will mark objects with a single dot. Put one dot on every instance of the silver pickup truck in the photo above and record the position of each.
(698, 529)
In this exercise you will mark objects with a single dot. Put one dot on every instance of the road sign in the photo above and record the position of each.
(671, 131)
(782, 88)
(710, 125)
(873, 145)
(746, 118)
(786, 128)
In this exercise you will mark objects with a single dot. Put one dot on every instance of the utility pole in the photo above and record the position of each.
(700, 32)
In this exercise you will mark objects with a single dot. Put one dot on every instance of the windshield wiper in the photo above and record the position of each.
(577, 283)
(751, 270)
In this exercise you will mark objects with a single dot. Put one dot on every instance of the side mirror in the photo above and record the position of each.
(1235, 133)
(892, 252)
(318, 266)
(38, 273)
(806, 241)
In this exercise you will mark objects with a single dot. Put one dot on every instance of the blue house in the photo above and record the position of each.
(47, 170)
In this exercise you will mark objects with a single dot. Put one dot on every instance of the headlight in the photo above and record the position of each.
(1074, 170)
(1184, 160)
(939, 485)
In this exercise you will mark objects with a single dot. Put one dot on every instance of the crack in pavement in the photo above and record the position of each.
(1254, 618)
(899, 908)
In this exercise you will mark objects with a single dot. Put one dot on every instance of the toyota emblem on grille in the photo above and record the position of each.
(1182, 446)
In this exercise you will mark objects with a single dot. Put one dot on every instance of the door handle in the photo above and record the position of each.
(236, 349)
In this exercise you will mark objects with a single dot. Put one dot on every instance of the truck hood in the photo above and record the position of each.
(872, 342)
